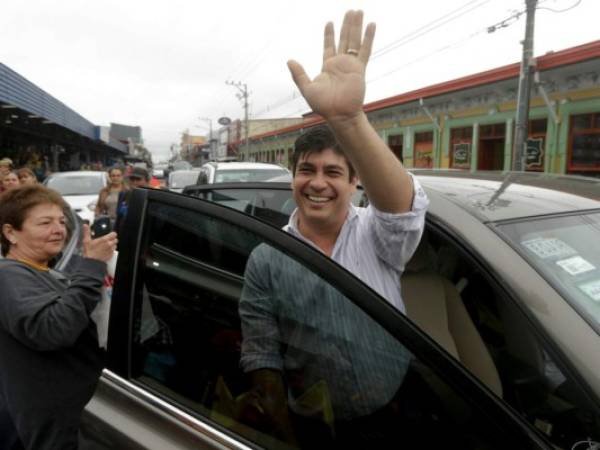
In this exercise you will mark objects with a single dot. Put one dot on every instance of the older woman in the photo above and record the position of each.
(50, 360)
(108, 197)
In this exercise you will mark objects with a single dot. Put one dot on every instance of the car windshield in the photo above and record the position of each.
(566, 251)
(183, 179)
(230, 175)
(76, 185)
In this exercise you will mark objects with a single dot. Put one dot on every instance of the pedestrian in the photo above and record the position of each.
(108, 197)
(26, 176)
(51, 359)
(138, 177)
(284, 353)
(5, 165)
(10, 181)
(5, 168)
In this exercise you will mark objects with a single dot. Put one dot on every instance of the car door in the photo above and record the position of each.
(188, 332)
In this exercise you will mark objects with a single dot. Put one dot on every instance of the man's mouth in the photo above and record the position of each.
(318, 199)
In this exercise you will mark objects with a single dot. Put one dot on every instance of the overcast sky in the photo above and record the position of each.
(163, 65)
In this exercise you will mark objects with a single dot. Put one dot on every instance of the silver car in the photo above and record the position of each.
(500, 338)
(80, 190)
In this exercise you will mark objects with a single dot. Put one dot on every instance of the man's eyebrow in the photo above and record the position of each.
(334, 166)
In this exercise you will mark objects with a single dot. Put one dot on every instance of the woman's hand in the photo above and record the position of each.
(102, 248)
(338, 92)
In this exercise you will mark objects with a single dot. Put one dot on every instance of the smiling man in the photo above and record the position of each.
(302, 339)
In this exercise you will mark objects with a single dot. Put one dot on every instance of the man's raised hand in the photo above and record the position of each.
(338, 92)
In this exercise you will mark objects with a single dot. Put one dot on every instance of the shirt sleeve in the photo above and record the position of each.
(260, 332)
(41, 314)
(396, 236)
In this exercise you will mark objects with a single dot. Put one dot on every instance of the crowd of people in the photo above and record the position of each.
(11, 178)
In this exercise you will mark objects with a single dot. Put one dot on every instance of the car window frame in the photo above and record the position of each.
(468, 251)
(478, 396)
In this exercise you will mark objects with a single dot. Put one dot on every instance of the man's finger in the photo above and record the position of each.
(355, 30)
(298, 75)
(343, 44)
(328, 42)
(365, 49)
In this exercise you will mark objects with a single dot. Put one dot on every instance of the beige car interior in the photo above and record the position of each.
(435, 304)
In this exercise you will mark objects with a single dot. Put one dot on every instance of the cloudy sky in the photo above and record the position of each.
(163, 65)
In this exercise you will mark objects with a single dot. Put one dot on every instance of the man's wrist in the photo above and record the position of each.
(340, 124)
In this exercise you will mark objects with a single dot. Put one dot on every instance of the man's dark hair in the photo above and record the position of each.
(316, 140)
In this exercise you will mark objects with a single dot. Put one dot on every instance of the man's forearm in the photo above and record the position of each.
(387, 183)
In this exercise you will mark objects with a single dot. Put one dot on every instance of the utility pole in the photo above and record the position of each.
(525, 77)
(243, 95)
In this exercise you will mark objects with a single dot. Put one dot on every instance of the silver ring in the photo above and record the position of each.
(352, 51)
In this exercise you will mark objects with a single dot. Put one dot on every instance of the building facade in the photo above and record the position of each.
(468, 123)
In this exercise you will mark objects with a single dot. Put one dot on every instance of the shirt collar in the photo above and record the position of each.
(292, 226)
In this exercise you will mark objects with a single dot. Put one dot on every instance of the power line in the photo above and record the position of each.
(434, 25)
(563, 10)
(421, 31)
(421, 58)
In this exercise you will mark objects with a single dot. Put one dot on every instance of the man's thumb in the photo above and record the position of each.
(298, 74)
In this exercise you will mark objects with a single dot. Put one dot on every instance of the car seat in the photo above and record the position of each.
(435, 305)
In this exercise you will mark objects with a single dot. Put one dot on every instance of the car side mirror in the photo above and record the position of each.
(101, 226)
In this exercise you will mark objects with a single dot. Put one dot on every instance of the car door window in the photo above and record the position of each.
(216, 304)
(484, 328)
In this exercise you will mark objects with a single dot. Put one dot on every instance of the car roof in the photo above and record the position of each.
(496, 196)
(245, 165)
(488, 196)
(194, 170)
(78, 173)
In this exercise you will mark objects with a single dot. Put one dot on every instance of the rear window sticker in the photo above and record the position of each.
(591, 289)
(549, 248)
(575, 265)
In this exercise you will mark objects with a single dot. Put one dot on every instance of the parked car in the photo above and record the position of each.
(229, 172)
(179, 179)
(80, 190)
(502, 322)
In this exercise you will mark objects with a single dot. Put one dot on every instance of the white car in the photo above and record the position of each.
(80, 190)
(179, 179)
(230, 172)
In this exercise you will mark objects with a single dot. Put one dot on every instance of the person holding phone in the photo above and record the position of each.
(50, 356)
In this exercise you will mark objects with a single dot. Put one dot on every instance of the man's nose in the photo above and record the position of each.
(318, 181)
